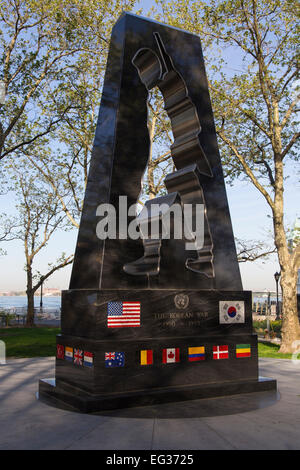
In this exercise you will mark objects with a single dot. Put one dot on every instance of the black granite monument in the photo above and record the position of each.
(146, 321)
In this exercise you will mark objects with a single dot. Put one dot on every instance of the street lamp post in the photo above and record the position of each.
(277, 276)
(268, 311)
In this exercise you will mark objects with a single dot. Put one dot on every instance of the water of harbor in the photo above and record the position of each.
(21, 301)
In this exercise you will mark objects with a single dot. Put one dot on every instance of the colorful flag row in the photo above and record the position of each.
(75, 355)
(195, 354)
(169, 355)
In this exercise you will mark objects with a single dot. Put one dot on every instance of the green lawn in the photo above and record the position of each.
(271, 350)
(40, 342)
(29, 342)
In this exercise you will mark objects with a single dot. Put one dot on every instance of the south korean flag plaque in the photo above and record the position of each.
(231, 311)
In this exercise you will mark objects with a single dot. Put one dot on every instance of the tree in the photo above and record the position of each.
(54, 56)
(39, 217)
(41, 44)
(65, 167)
(252, 250)
(252, 64)
(7, 226)
(69, 49)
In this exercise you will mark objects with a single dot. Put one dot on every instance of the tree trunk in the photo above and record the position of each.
(151, 185)
(30, 299)
(150, 169)
(290, 330)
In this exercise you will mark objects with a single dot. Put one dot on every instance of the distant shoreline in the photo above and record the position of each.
(37, 294)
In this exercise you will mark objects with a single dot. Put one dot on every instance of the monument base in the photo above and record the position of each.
(73, 398)
(183, 346)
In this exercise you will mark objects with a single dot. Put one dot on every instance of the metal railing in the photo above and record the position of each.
(263, 308)
(17, 315)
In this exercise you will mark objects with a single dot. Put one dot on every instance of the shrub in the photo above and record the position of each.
(6, 318)
(260, 327)
(276, 326)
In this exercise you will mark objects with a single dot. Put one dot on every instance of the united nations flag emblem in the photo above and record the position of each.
(181, 301)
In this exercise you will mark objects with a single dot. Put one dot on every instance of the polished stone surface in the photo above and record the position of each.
(178, 293)
(168, 319)
(60, 394)
(85, 313)
(119, 159)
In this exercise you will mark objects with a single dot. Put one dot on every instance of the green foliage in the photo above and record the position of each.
(261, 326)
(6, 318)
(44, 46)
(54, 56)
(252, 62)
(254, 99)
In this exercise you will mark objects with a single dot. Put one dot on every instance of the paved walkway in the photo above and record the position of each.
(26, 423)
